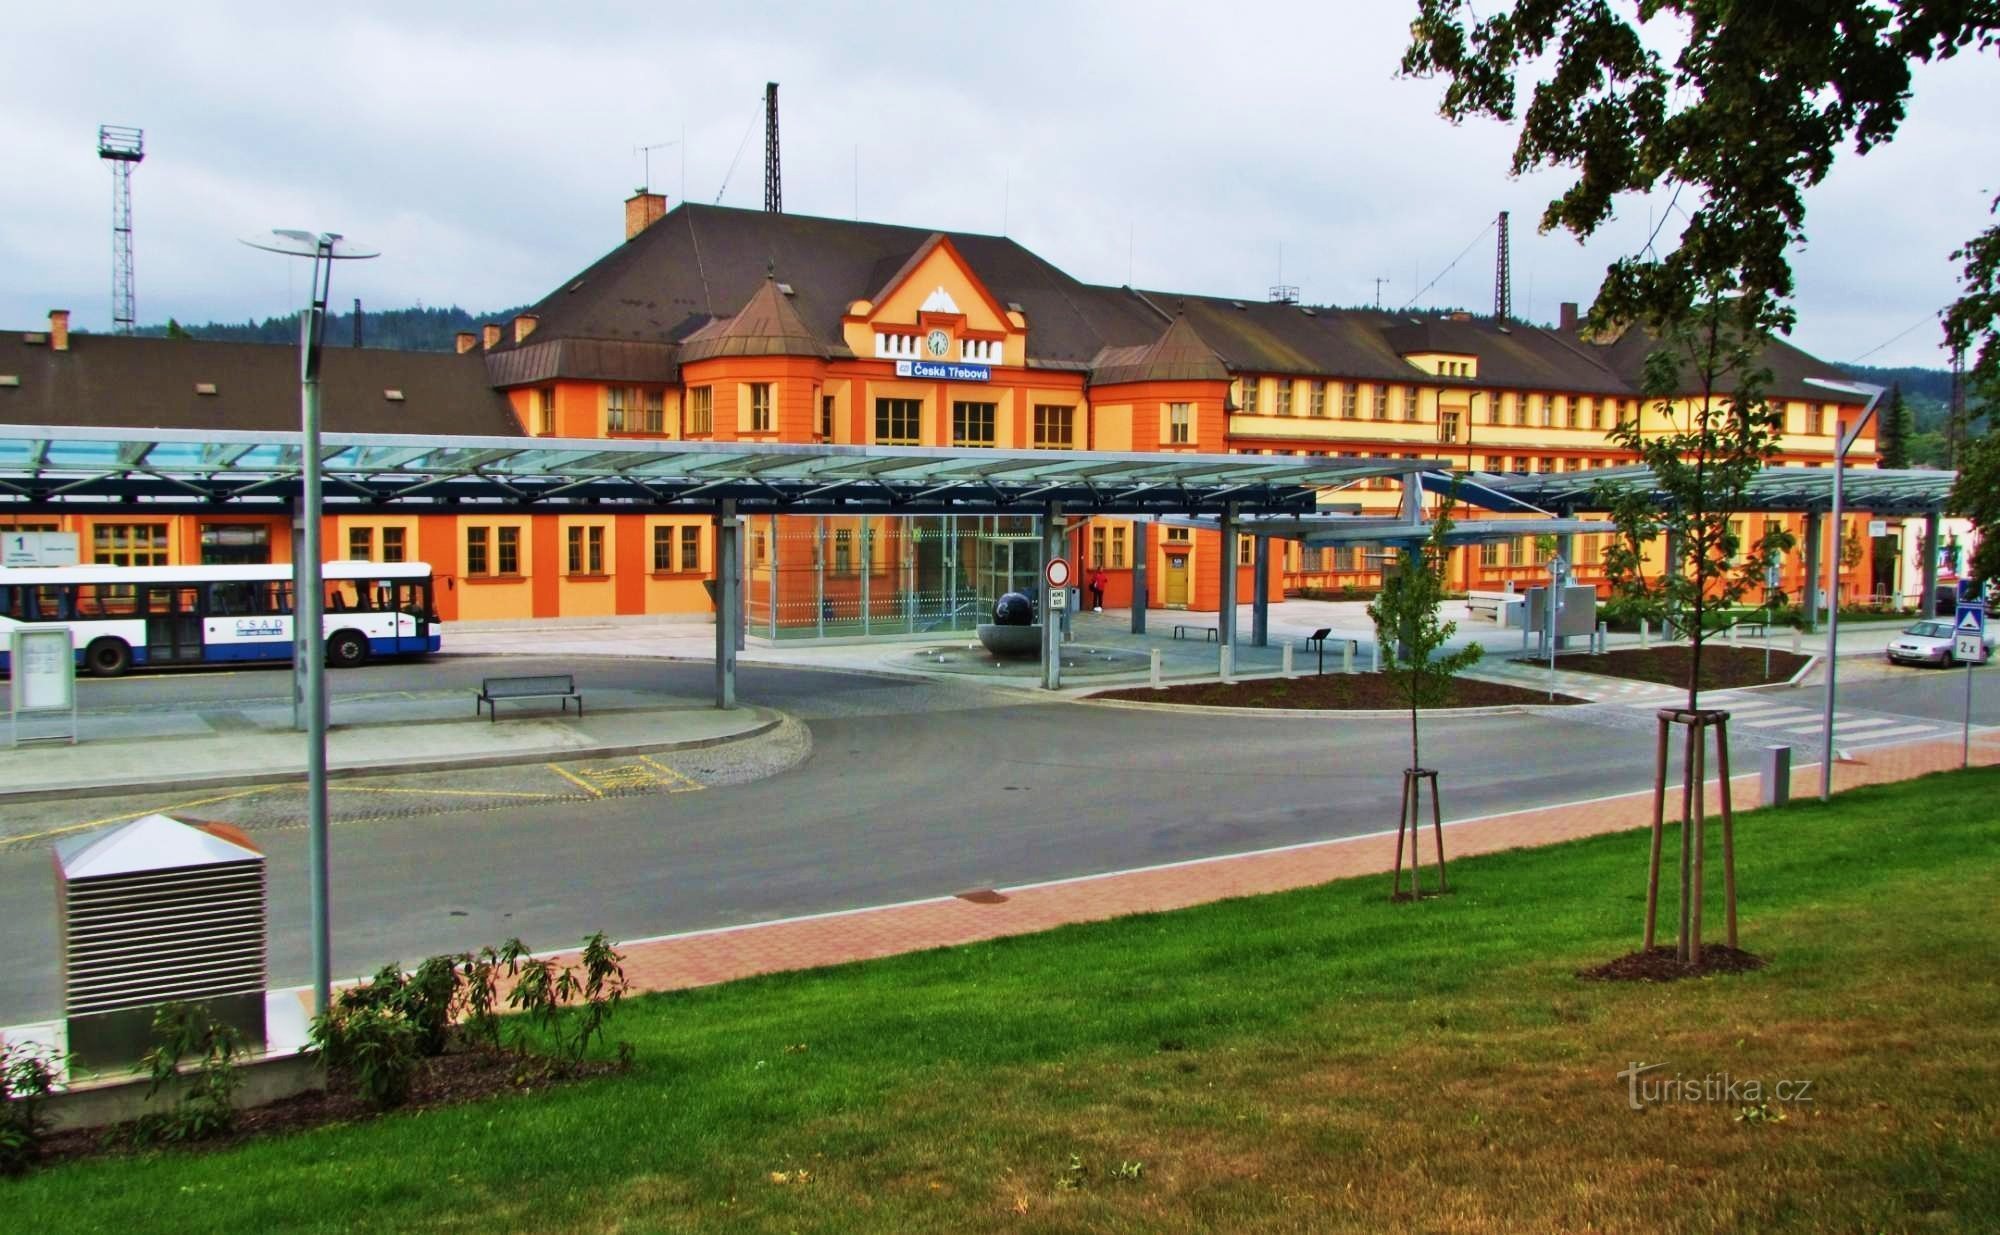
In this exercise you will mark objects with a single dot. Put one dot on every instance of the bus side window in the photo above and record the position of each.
(7, 595)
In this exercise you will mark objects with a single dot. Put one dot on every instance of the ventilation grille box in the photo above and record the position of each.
(158, 911)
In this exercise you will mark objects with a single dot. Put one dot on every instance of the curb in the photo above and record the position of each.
(1206, 709)
(771, 719)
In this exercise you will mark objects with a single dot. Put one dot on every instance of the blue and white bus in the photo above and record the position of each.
(203, 615)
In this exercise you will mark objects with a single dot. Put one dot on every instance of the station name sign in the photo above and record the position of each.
(944, 372)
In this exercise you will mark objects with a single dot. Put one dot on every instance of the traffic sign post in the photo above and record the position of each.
(1057, 572)
(1968, 643)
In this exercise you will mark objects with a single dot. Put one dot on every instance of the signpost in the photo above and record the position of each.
(1968, 644)
(43, 664)
(1552, 611)
(38, 549)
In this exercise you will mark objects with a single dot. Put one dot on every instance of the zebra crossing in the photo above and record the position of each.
(1791, 722)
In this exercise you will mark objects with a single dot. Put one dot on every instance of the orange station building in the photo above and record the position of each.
(713, 324)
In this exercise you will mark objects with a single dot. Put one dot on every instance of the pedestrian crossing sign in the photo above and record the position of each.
(1972, 619)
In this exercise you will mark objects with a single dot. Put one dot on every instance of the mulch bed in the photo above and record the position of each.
(1722, 665)
(1663, 964)
(1332, 691)
(440, 1081)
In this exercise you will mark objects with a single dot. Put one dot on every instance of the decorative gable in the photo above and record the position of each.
(934, 308)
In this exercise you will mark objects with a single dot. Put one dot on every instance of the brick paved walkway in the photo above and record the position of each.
(738, 952)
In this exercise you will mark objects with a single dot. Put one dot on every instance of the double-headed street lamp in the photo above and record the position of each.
(1843, 438)
(308, 586)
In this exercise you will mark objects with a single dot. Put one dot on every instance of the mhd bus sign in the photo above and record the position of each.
(944, 372)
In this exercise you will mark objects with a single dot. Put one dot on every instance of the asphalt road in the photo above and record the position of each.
(911, 789)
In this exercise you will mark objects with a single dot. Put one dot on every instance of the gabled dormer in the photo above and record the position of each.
(934, 308)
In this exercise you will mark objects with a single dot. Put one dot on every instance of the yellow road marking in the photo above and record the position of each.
(679, 777)
(578, 781)
(150, 810)
(463, 793)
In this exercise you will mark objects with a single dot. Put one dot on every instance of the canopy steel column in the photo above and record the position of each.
(741, 593)
(1928, 605)
(1225, 618)
(727, 612)
(1260, 603)
(1052, 548)
(1141, 556)
(1810, 600)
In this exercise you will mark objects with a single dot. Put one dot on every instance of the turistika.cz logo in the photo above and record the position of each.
(1646, 1085)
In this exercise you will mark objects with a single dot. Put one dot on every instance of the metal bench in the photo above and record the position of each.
(1181, 629)
(527, 686)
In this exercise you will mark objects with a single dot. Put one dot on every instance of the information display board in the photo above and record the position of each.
(41, 680)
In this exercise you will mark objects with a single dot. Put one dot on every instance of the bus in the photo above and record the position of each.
(121, 616)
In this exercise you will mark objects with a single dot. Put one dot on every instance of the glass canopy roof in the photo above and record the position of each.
(1866, 490)
(221, 469)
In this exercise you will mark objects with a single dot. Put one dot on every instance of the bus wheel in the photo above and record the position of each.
(346, 650)
(107, 658)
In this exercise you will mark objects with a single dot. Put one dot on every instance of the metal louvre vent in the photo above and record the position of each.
(148, 938)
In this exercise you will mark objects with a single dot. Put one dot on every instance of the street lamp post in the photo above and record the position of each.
(1843, 438)
(308, 588)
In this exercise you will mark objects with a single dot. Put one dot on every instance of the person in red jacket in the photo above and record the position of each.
(1097, 581)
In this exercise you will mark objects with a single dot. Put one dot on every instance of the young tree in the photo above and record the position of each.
(1976, 495)
(1410, 631)
(1892, 435)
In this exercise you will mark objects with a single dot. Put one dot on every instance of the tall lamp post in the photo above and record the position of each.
(1843, 438)
(308, 588)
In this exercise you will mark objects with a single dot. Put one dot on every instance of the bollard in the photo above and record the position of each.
(1347, 656)
(1286, 667)
(1224, 657)
(1603, 638)
(1156, 669)
(1798, 638)
(1732, 632)
(1775, 776)
(1645, 633)
(1378, 658)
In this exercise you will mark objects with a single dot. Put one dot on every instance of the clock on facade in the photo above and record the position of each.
(937, 343)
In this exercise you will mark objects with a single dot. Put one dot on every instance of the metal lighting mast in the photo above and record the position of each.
(124, 148)
(773, 189)
(1503, 277)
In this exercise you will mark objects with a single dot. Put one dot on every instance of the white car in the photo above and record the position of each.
(1930, 643)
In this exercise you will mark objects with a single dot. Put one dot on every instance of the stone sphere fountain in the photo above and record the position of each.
(1013, 632)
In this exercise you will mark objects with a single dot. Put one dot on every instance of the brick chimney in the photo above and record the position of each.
(489, 335)
(642, 210)
(1568, 319)
(59, 330)
(524, 325)
(467, 340)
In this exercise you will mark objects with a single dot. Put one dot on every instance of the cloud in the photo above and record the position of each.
(1209, 148)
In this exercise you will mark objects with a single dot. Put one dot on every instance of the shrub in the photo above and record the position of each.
(207, 1105)
(377, 1046)
(27, 1077)
(569, 1007)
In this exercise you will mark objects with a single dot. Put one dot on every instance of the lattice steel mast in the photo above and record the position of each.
(1503, 276)
(125, 148)
(773, 189)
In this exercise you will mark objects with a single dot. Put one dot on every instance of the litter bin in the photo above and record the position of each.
(158, 911)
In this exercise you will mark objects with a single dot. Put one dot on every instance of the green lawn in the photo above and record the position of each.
(1319, 1060)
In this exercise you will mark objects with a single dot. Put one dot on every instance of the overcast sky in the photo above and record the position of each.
(485, 150)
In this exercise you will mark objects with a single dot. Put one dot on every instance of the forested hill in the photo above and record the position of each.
(420, 329)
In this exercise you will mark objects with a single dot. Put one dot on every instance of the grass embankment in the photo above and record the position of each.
(1723, 666)
(1337, 691)
(1318, 1060)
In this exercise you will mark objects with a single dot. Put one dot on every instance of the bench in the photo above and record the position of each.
(1180, 631)
(1489, 604)
(527, 686)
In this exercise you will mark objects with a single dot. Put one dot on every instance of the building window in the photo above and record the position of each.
(1098, 540)
(1250, 396)
(129, 544)
(1180, 423)
(1381, 403)
(510, 550)
(1521, 464)
(394, 548)
(1178, 535)
(1054, 426)
(545, 411)
(614, 409)
(701, 410)
(972, 424)
(476, 561)
(1489, 553)
(760, 407)
(1117, 547)
(663, 549)
(843, 552)
(1318, 407)
(1409, 403)
(1246, 550)
(1284, 392)
(1348, 399)
(360, 544)
(1448, 426)
(1570, 414)
(1548, 420)
(690, 548)
(896, 421)
(826, 417)
(656, 412)
(586, 550)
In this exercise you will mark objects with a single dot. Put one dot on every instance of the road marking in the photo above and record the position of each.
(685, 781)
(1905, 731)
(462, 793)
(580, 783)
(150, 810)
(643, 773)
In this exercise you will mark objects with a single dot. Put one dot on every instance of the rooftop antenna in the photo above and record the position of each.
(124, 148)
(1379, 281)
(357, 321)
(774, 197)
(646, 154)
(1503, 277)
(1281, 291)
